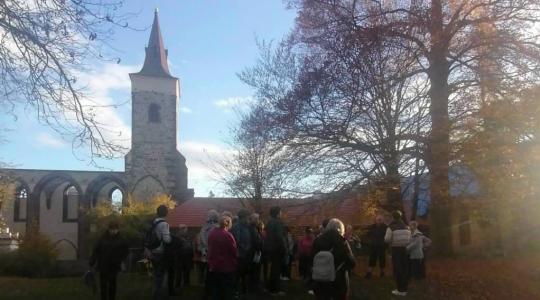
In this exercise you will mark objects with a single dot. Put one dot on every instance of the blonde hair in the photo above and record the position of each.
(336, 224)
(225, 222)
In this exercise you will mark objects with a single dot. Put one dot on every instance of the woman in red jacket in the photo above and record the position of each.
(222, 260)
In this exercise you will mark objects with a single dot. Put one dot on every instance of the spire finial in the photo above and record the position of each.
(156, 10)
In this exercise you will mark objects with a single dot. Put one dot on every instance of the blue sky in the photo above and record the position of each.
(209, 41)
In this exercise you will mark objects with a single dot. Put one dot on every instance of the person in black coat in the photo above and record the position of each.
(185, 256)
(275, 247)
(108, 255)
(332, 240)
(377, 246)
(257, 245)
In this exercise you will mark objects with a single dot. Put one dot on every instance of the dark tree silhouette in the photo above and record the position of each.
(469, 51)
(44, 47)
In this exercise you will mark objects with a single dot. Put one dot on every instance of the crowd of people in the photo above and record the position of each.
(239, 255)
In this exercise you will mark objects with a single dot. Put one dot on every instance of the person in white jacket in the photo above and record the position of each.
(416, 251)
(398, 236)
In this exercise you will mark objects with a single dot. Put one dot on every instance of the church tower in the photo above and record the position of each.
(154, 166)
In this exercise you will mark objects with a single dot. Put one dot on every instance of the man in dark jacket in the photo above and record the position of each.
(108, 255)
(377, 247)
(242, 234)
(257, 244)
(185, 256)
(332, 240)
(275, 248)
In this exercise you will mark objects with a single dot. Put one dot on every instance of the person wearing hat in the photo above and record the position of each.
(398, 236)
(108, 255)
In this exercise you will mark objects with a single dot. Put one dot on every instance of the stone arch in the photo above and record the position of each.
(96, 186)
(48, 211)
(67, 249)
(50, 182)
(147, 187)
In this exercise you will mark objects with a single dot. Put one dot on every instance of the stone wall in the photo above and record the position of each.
(45, 207)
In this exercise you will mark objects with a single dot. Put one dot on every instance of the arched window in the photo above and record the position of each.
(70, 204)
(19, 208)
(154, 115)
(117, 198)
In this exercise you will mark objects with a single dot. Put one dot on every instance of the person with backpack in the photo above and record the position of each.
(398, 236)
(108, 255)
(275, 249)
(242, 235)
(416, 251)
(377, 246)
(156, 239)
(332, 261)
(222, 261)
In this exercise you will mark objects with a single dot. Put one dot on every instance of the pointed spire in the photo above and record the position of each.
(155, 62)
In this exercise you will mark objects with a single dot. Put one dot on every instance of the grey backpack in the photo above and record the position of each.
(323, 267)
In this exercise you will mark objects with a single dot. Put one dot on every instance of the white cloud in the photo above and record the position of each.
(200, 157)
(47, 140)
(186, 110)
(100, 83)
(230, 103)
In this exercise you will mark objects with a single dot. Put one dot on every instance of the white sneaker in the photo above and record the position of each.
(311, 292)
(398, 293)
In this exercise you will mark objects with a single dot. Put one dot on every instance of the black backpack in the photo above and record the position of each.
(151, 239)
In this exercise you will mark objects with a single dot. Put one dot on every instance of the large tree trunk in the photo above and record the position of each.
(393, 187)
(416, 182)
(440, 135)
(257, 199)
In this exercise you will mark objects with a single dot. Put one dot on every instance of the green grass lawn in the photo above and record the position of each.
(448, 278)
(137, 286)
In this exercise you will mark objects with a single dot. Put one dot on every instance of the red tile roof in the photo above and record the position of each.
(296, 212)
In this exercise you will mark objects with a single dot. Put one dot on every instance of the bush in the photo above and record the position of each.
(133, 218)
(36, 257)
